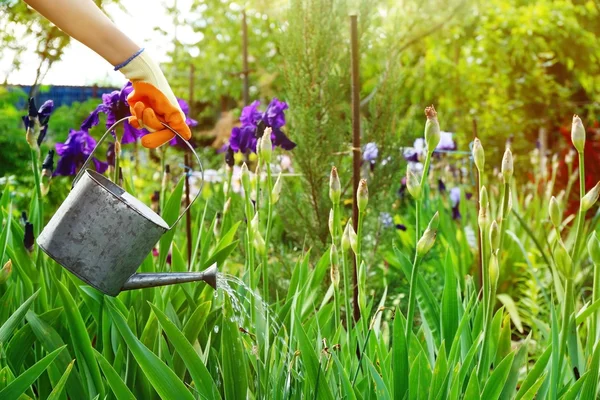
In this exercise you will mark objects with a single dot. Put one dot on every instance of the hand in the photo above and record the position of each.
(150, 108)
(152, 101)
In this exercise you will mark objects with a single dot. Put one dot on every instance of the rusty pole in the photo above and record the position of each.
(246, 92)
(188, 217)
(355, 89)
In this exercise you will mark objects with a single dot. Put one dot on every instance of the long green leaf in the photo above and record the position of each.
(22, 382)
(169, 215)
(161, 377)
(497, 380)
(15, 319)
(536, 372)
(198, 371)
(233, 358)
(81, 340)
(399, 357)
(114, 380)
(590, 387)
(60, 386)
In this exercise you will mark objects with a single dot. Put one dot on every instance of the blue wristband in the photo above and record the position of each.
(137, 53)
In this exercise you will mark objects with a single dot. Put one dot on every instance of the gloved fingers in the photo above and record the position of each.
(133, 121)
(157, 139)
(150, 120)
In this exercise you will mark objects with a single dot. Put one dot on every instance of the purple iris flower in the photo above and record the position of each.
(455, 201)
(74, 151)
(446, 142)
(115, 106)
(370, 152)
(43, 115)
(254, 122)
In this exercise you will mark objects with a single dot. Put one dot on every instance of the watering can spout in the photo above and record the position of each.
(146, 280)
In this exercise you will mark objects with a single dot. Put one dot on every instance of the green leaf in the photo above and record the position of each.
(450, 303)
(586, 312)
(497, 380)
(15, 319)
(533, 389)
(536, 372)
(399, 357)
(81, 341)
(381, 391)
(21, 383)
(113, 378)
(511, 307)
(311, 363)
(60, 386)
(161, 377)
(573, 391)
(169, 215)
(233, 358)
(191, 330)
(198, 371)
(472, 392)
(590, 387)
(513, 377)
(51, 341)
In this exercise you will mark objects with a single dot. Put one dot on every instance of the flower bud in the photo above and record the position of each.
(48, 164)
(478, 155)
(428, 239)
(494, 268)
(412, 184)
(554, 212)
(346, 236)
(245, 179)
(335, 188)
(117, 148)
(353, 237)
(259, 243)
(494, 236)
(330, 222)
(276, 190)
(432, 129)
(578, 134)
(334, 272)
(5, 272)
(266, 145)
(593, 246)
(254, 224)
(217, 226)
(563, 261)
(227, 206)
(507, 165)
(362, 195)
(483, 197)
(590, 198)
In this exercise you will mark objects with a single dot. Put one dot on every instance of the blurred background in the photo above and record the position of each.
(502, 70)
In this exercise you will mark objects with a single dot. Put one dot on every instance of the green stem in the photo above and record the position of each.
(412, 300)
(346, 289)
(415, 269)
(580, 214)
(163, 189)
(336, 299)
(268, 234)
(117, 160)
(596, 316)
(484, 363)
(504, 215)
(567, 310)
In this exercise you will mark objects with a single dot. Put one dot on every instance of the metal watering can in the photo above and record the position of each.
(102, 234)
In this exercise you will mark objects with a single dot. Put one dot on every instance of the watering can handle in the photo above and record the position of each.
(109, 130)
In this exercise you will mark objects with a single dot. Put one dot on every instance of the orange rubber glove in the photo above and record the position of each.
(149, 109)
(152, 101)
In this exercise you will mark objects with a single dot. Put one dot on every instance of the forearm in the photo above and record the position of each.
(86, 23)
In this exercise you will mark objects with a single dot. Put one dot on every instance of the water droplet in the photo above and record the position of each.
(216, 329)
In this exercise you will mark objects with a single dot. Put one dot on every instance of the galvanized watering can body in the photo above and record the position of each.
(102, 234)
